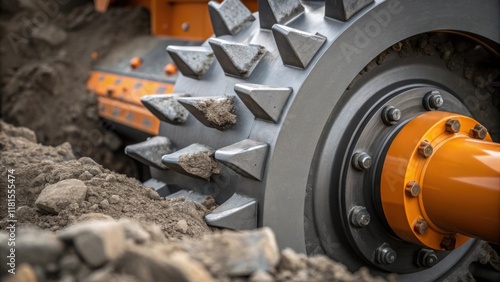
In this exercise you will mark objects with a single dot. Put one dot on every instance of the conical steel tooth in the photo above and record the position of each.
(238, 212)
(192, 61)
(229, 17)
(166, 108)
(278, 11)
(343, 10)
(150, 151)
(265, 102)
(246, 157)
(216, 112)
(195, 160)
(296, 48)
(237, 59)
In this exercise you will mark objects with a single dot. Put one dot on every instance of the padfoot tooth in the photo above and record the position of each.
(237, 59)
(238, 212)
(150, 151)
(265, 102)
(278, 11)
(296, 48)
(195, 160)
(343, 10)
(192, 61)
(166, 108)
(216, 112)
(229, 17)
(247, 157)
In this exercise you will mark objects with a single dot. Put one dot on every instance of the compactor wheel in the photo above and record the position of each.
(290, 112)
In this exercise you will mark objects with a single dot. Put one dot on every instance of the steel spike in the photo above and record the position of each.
(237, 59)
(195, 160)
(297, 48)
(216, 112)
(229, 17)
(278, 11)
(150, 151)
(246, 157)
(192, 61)
(265, 102)
(238, 212)
(343, 10)
(166, 108)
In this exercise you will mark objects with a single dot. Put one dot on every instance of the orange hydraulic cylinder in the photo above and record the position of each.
(462, 188)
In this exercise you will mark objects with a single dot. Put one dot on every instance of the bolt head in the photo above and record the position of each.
(360, 217)
(385, 254)
(362, 161)
(412, 188)
(391, 115)
(426, 258)
(425, 149)
(448, 242)
(479, 132)
(453, 126)
(421, 226)
(433, 100)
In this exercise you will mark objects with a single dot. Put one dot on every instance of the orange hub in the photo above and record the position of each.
(441, 182)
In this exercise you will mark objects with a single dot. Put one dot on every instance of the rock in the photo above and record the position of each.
(114, 199)
(56, 197)
(32, 242)
(243, 253)
(85, 176)
(94, 216)
(24, 273)
(152, 265)
(95, 171)
(50, 34)
(104, 204)
(97, 242)
(134, 231)
(182, 225)
(261, 276)
(24, 213)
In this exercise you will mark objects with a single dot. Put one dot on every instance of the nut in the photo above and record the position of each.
(361, 161)
(452, 126)
(479, 132)
(426, 258)
(360, 217)
(391, 115)
(421, 226)
(433, 100)
(385, 254)
(425, 149)
(412, 188)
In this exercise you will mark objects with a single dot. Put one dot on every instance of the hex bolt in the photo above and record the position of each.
(448, 242)
(425, 149)
(421, 226)
(452, 126)
(479, 131)
(391, 115)
(385, 254)
(361, 161)
(426, 258)
(412, 188)
(360, 217)
(433, 100)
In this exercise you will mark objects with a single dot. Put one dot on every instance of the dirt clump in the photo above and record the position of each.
(219, 112)
(201, 164)
(39, 168)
